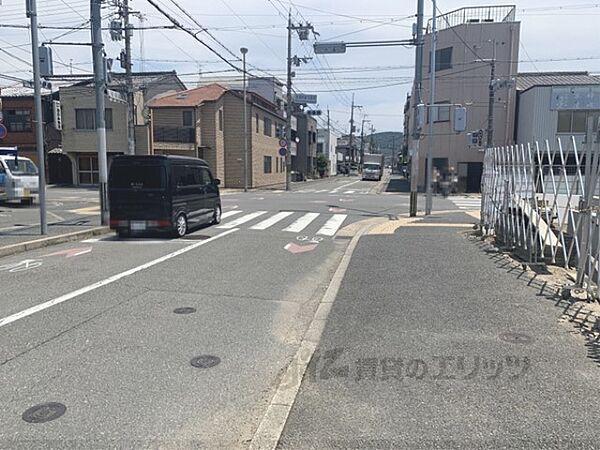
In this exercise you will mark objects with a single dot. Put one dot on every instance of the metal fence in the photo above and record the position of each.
(542, 200)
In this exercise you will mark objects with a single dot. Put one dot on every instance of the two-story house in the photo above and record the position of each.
(207, 122)
(78, 103)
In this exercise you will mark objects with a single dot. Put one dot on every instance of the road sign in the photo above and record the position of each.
(3, 131)
(314, 112)
(282, 151)
(305, 98)
(329, 47)
(282, 143)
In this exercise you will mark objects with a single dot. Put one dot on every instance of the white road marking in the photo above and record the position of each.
(63, 298)
(332, 225)
(302, 222)
(344, 186)
(349, 192)
(242, 220)
(321, 191)
(227, 214)
(271, 220)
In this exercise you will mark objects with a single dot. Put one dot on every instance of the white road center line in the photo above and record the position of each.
(63, 298)
(332, 225)
(271, 220)
(243, 219)
(302, 222)
(227, 214)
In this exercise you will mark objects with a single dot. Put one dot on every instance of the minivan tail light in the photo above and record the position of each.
(119, 223)
(158, 223)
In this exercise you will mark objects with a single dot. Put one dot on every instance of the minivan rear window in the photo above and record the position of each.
(137, 177)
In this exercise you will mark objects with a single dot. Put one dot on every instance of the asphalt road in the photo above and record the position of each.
(91, 325)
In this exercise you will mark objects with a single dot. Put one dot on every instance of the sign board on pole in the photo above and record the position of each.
(282, 143)
(282, 151)
(329, 47)
(3, 131)
(304, 98)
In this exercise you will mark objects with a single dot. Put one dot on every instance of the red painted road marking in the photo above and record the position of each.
(71, 252)
(295, 248)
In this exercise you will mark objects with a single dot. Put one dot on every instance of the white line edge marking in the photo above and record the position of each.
(271, 426)
(343, 186)
(63, 298)
(271, 220)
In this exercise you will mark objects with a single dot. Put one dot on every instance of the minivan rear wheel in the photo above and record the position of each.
(181, 225)
(217, 215)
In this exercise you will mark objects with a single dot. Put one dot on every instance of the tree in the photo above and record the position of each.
(322, 164)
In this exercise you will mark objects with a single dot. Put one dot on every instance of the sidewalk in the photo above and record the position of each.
(432, 342)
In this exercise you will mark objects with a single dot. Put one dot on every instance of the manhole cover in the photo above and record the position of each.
(44, 412)
(184, 310)
(516, 338)
(205, 361)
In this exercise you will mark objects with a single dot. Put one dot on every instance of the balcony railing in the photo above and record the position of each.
(475, 14)
(174, 134)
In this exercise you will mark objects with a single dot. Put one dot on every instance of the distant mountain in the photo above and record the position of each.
(387, 142)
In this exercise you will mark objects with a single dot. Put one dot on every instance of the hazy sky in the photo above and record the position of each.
(566, 32)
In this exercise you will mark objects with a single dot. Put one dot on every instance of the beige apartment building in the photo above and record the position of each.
(469, 41)
(207, 122)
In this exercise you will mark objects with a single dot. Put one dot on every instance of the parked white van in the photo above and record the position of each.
(18, 177)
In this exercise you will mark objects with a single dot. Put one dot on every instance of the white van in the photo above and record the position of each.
(18, 177)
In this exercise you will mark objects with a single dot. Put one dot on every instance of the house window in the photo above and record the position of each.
(257, 124)
(439, 113)
(88, 169)
(267, 126)
(85, 119)
(220, 120)
(267, 162)
(188, 119)
(576, 121)
(18, 120)
(443, 59)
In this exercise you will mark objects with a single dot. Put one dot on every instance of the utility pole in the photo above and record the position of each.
(414, 173)
(244, 50)
(371, 139)
(303, 31)
(288, 108)
(39, 125)
(432, 67)
(129, 80)
(492, 94)
(100, 85)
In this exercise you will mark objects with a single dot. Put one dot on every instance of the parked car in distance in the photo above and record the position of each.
(161, 193)
(18, 177)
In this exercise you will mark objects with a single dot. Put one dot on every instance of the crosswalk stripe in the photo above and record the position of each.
(301, 223)
(332, 225)
(349, 192)
(242, 220)
(271, 220)
(227, 214)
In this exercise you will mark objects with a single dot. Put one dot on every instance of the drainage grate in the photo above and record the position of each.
(44, 412)
(184, 310)
(205, 361)
(516, 338)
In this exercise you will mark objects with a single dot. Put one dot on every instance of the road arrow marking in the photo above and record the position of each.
(295, 248)
(70, 252)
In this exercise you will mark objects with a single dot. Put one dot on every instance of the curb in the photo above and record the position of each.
(378, 188)
(52, 240)
(271, 426)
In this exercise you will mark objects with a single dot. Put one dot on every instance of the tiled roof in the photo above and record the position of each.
(191, 97)
(20, 91)
(528, 80)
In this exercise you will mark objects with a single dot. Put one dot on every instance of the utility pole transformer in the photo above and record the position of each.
(414, 172)
(39, 125)
(129, 80)
(100, 85)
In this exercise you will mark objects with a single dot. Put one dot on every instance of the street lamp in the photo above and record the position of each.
(244, 50)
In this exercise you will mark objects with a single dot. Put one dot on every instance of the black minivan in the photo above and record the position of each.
(161, 193)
